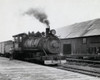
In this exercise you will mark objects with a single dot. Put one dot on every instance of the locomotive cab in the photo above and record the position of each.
(18, 41)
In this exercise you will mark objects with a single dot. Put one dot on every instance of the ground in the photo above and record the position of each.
(19, 70)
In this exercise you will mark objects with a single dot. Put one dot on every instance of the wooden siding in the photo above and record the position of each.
(82, 45)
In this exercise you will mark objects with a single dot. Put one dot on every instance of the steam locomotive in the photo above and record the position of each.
(41, 47)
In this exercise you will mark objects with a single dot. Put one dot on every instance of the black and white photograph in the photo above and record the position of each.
(49, 39)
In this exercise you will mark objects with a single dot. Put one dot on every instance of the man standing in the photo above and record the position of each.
(11, 51)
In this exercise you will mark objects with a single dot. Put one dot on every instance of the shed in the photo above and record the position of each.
(80, 38)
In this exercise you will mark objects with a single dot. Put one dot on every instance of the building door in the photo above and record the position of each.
(66, 49)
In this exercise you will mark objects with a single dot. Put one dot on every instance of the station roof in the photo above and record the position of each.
(87, 28)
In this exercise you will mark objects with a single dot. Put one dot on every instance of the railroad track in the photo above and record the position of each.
(80, 69)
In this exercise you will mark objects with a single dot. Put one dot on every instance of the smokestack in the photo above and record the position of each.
(48, 27)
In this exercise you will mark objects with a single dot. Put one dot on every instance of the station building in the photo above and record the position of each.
(80, 38)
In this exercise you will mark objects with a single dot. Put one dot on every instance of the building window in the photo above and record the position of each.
(92, 50)
(98, 50)
(84, 40)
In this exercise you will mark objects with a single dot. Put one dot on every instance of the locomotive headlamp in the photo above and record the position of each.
(53, 32)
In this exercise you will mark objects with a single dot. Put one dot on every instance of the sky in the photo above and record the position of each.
(60, 13)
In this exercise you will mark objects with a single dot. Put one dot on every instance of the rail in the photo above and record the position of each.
(80, 69)
(82, 60)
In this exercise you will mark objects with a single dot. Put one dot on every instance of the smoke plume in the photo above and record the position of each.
(41, 16)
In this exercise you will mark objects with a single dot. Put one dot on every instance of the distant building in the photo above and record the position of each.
(80, 38)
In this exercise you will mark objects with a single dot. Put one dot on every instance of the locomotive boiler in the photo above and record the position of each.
(42, 47)
(50, 45)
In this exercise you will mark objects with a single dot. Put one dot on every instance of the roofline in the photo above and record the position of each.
(6, 41)
(81, 37)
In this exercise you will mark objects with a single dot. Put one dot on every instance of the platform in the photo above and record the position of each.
(19, 70)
